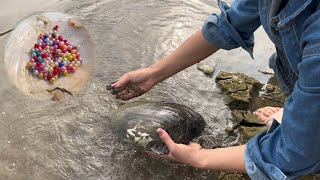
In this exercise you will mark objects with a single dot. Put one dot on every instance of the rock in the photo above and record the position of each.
(239, 89)
(272, 96)
(206, 69)
(246, 132)
(232, 176)
(244, 117)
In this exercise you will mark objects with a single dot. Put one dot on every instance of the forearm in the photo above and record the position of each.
(226, 159)
(193, 50)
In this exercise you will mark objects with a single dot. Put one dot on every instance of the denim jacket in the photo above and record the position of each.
(290, 149)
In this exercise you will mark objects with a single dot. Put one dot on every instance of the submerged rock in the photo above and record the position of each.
(239, 89)
(244, 95)
(137, 123)
(206, 69)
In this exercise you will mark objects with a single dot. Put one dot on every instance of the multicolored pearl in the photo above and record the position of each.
(53, 56)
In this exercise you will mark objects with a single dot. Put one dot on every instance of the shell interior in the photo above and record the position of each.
(23, 38)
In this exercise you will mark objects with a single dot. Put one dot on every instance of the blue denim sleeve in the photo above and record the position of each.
(234, 27)
(293, 148)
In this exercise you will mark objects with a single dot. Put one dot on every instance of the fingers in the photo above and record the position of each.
(122, 82)
(264, 118)
(266, 111)
(125, 95)
(124, 89)
(164, 136)
(265, 114)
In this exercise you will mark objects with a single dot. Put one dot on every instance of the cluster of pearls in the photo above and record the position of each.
(53, 56)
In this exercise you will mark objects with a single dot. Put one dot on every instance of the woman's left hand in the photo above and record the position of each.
(187, 154)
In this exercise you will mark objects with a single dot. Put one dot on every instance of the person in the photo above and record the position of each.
(287, 150)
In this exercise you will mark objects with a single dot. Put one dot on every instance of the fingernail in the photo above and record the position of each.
(159, 131)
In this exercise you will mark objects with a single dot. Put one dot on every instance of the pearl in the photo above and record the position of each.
(73, 69)
(29, 65)
(73, 51)
(36, 72)
(64, 73)
(32, 68)
(40, 60)
(40, 75)
(40, 68)
(45, 69)
(69, 57)
(63, 68)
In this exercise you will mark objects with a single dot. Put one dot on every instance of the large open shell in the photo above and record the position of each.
(137, 123)
(23, 38)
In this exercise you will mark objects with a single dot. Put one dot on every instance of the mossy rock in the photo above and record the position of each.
(315, 176)
(246, 132)
(233, 176)
(272, 96)
(244, 117)
(239, 89)
(238, 77)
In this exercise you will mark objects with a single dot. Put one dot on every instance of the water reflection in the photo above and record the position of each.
(72, 139)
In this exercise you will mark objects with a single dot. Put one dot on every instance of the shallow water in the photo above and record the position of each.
(72, 139)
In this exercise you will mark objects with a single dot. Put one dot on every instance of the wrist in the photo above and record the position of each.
(199, 160)
(157, 73)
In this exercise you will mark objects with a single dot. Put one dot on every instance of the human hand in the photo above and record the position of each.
(133, 84)
(187, 154)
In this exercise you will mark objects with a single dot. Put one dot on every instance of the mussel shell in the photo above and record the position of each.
(23, 38)
(137, 123)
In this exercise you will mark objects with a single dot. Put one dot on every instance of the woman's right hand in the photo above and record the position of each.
(134, 83)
